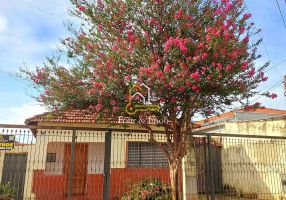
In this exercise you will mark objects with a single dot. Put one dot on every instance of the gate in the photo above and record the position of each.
(237, 166)
(14, 172)
(202, 167)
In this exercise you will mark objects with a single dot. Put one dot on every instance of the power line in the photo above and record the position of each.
(281, 62)
(281, 13)
(276, 85)
(264, 46)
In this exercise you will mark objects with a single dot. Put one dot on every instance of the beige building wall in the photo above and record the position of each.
(255, 165)
(269, 127)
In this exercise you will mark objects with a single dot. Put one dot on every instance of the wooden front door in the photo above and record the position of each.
(80, 168)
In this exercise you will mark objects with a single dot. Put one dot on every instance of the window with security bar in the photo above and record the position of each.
(146, 155)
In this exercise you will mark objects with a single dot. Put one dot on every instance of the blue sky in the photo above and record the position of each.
(30, 30)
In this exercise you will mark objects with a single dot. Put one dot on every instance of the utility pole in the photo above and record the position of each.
(285, 84)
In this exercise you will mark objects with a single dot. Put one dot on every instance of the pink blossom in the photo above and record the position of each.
(219, 66)
(130, 49)
(115, 109)
(188, 83)
(196, 58)
(210, 112)
(264, 78)
(195, 88)
(152, 20)
(115, 48)
(98, 107)
(181, 88)
(228, 68)
(88, 46)
(56, 110)
(112, 102)
(241, 30)
(209, 77)
(99, 27)
(244, 66)
(183, 49)
(178, 14)
(101, 54)
(146, 34)
(168, 44)
(201, 45)
(251, 72)
(226, 36)
(208, 38)
(246, 15)
(127, 78)
(228, 7)
(218, 11)
(81, 8)
(159, 74)
(167, 68)
(273, 96)
(130, 36)
(204, 55)
(233, 55)
(92, 91)
(195, 76)
(245, 40)
(173, 99)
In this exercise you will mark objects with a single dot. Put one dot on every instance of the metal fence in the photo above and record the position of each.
(91, 164)
(79, 164)
(230, 166)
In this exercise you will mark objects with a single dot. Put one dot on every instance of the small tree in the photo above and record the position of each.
(195, 55)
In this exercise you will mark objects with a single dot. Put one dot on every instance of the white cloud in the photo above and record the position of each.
(3, 24)
(18, 114)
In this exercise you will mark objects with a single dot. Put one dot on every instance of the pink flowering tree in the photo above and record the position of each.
(197, 56)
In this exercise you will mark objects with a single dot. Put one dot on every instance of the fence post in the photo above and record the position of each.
(106, 170)
(211, 172)
(70, 184)
(207, 185)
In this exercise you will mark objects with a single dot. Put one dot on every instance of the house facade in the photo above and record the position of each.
(133, 157)
(252, 165)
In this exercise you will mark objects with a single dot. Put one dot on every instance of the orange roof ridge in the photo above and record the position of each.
(231, 114)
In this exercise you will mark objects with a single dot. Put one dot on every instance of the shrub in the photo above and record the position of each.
(148, 189)
(7, 190)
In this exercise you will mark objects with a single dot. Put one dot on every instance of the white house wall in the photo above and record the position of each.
(265, 158)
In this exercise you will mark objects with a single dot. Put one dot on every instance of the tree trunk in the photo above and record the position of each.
(175, 167)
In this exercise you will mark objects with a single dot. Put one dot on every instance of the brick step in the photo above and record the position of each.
(77, 197)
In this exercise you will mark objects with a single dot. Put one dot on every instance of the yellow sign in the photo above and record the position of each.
(7, 142)
(142, 93)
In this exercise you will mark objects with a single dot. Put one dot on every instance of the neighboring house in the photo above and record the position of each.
(217, 124)
(13, 167)
(252, 165)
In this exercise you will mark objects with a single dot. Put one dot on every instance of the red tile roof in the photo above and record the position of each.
(69, 116)
(79, 116)
(231, 114)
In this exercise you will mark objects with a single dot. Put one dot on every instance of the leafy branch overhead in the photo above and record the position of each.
(197, 56)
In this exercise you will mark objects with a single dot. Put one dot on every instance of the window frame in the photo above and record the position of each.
(163, 160)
